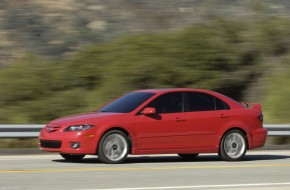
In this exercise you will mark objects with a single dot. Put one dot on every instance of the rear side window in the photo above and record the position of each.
(197, 101)
(221, 105)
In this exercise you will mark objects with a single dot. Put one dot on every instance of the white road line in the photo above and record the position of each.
(35, 157)
(200, 186)
(28, 157)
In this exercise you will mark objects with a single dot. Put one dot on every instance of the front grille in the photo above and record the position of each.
(50, 144)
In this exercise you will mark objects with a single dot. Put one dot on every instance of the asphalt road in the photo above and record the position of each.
(260, 170)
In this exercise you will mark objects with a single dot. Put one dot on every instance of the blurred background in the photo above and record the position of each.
(60, 57)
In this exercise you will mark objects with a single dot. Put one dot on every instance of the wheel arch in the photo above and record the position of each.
(117, 128)
(235, 128)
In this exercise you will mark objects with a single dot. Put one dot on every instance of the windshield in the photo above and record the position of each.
(127, 103)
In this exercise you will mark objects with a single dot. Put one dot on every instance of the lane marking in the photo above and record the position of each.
(200, 186)
(143, 168)
(29, 157)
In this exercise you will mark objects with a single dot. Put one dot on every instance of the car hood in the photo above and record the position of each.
(84, 118)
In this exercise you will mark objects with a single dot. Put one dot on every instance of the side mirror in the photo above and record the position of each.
(149, 111)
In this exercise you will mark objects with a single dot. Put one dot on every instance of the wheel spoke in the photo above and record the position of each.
(234, 145)
(115, 147)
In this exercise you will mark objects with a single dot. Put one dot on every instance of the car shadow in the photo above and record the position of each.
(264, 157)
(175, 159)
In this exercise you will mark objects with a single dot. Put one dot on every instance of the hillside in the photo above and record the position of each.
(64, 57)
(60, 28)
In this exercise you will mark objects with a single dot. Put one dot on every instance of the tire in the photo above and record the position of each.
(233, 146)
(188, 156)
(72, 157)
(113, 147)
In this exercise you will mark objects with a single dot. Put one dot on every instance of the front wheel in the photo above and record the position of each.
(233, 146)
(113, 147)
(72, 157)
(188, 156)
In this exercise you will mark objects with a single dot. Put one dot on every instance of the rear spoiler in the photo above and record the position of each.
(253, 105)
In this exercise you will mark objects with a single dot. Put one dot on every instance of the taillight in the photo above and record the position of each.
(260, 117)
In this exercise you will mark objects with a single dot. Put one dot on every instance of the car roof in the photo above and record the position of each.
(163, 90)
(229, 100)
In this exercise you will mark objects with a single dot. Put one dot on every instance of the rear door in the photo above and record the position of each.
(205, 115)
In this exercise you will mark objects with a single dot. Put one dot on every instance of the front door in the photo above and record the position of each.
(165, 129)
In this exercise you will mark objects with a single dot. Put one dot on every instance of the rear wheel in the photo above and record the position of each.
(72, 157)
(113, 147)
(188, 156)
(233, 146)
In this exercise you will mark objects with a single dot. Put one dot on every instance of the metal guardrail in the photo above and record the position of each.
(32, 131)
(278, 129)
(20, 131)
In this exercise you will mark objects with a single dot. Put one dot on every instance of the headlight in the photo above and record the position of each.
(79, 127)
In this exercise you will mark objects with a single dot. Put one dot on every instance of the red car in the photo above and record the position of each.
(159, 121)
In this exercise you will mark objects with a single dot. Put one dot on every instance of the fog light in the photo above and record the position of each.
(75, 145)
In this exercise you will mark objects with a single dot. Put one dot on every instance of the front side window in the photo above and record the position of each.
(198, 101)
(127, 103)
(168, 103)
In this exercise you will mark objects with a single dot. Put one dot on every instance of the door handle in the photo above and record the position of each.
(224, 116)
(179, 120)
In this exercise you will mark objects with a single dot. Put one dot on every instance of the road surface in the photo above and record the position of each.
(260, 170)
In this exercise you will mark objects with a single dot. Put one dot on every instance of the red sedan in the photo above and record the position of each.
(159, 121)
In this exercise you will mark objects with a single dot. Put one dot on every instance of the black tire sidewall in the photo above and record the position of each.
(72, 157)
(188, 156)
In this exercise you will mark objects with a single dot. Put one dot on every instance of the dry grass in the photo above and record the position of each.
(18, 143)
(275, 140)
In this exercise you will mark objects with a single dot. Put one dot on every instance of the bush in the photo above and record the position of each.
(222, 55)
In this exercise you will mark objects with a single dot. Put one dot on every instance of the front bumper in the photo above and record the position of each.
(59, 141)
